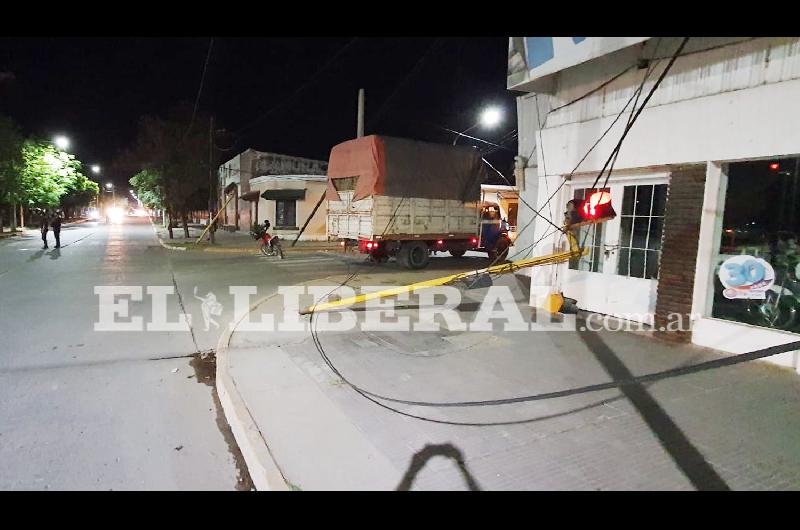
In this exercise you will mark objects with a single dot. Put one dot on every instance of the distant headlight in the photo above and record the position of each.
(115, 215)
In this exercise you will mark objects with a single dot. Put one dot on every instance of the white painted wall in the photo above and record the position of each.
(734, 102)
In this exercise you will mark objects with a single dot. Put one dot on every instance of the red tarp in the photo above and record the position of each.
(406, 168)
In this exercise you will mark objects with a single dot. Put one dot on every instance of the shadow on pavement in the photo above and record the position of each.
(685, 455)
(55, 253)
(38, 254)
(421, 458)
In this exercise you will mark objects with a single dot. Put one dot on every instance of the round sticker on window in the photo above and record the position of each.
(746, 277)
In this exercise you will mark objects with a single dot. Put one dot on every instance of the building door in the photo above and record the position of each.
(286, 214)
(620, 274)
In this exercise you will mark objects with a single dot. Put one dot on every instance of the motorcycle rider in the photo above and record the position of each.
(266, 230)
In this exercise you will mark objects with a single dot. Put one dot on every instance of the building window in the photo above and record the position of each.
(641, 228)
(758, 255)
(592, 237)
(286, 214)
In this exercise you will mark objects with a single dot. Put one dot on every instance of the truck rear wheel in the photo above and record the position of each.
(414, 255)
(457, 253)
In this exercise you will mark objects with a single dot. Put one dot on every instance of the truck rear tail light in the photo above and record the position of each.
(370, 244)
(474, 241)
(439, 242)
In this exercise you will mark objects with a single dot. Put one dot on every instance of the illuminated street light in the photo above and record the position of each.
(62, 142)
(490, 118)
(95, 169)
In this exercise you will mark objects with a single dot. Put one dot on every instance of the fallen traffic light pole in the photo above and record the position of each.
(595, 209)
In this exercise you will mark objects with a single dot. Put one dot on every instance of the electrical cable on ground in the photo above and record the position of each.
(373, 397)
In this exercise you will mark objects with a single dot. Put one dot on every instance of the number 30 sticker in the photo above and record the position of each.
(746, 277)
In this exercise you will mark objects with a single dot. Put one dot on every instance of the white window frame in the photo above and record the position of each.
(616, 183)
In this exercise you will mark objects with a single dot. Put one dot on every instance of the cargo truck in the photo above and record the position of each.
(407, 199)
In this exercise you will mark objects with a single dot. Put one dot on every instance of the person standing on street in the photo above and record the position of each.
(43, 226)
(56, 224)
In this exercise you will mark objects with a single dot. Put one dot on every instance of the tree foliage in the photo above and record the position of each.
(148, 187)
(174, 152)
(48, 174)
(170, 155)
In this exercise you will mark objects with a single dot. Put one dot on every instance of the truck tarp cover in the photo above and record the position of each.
(398, 167)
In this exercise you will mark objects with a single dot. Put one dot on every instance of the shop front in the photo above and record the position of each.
(619, 275)
(748, 291)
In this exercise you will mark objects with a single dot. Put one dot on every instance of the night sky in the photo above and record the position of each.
(94, 89)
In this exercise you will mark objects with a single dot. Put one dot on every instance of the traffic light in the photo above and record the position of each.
(596, 208)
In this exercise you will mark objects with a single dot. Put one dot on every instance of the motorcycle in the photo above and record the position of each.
(271, 246)
(268, 244)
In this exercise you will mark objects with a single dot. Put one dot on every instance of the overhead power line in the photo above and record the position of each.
(200, 89)
(376, 118)
(304, 86)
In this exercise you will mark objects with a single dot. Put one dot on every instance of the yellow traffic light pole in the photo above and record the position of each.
(549, 259)
(214, 220)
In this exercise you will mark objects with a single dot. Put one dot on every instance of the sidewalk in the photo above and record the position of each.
(300, 426)
(27, 231)
(239, 242)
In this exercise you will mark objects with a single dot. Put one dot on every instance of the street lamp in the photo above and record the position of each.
(62, 142)
(95, 169)
(490, 117)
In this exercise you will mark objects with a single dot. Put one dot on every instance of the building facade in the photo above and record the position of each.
(705, 184)
(291, 202)
(237, 175)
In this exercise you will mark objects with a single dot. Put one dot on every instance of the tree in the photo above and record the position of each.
(173, 153)
(148, 187)
(10, 163)
(80, 192)
(46, 175)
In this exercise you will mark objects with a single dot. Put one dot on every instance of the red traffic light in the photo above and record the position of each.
(774, 166)
(595, 208)
(595, 204)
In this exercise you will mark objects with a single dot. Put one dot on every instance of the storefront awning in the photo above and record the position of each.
(284, 195)
(249, 196)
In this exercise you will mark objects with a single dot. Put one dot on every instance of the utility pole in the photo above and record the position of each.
(360, 123)
(211, 187)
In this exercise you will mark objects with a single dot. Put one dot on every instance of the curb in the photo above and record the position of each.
(161, 241)
(262, 466)
(263, 469)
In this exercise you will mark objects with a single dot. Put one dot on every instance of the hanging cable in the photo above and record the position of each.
(304, 86)
(377, 116)
(641, 108)
(200, 89)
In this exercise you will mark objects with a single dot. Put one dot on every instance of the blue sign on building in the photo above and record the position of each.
(540, 49)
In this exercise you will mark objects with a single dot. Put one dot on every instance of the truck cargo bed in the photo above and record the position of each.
(401, 218)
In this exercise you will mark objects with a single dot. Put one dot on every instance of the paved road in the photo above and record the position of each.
(86, 409)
